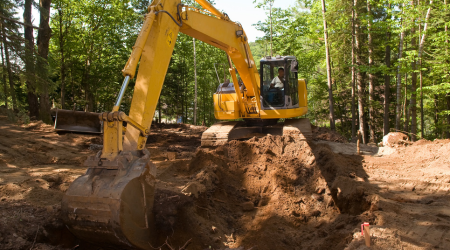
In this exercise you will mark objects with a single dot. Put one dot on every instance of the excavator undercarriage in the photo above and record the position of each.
(221, 132)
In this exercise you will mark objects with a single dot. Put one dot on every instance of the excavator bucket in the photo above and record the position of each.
(112, 203)
(76, 121)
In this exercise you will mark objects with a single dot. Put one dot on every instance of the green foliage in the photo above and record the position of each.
(92, 39)
(95, 38)
(299, 31)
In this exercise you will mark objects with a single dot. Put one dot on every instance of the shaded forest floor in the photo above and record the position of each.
(266, 193)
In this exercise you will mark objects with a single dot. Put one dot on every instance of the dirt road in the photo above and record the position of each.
(266, 193)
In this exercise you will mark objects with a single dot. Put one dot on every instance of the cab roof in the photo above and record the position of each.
(276, 58)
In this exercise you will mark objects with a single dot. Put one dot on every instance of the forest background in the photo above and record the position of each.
(389, 61)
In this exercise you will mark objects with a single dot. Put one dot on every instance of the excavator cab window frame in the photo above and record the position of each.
(272, 65)
(292, 82)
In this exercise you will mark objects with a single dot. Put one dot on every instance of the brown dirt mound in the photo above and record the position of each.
(36, 168)
(25, 226)
(429, 154)
(422, 142)
(325, 134)
(395, 139)
(271, 193)
(267, 193)
(38, 125)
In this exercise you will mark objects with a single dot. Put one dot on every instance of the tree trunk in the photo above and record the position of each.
(327, 52)
(88, 96)
(436, 116)
(195, 87)
(8, 69)
(399, 79)
(371, 76)
(387, 83)
(204, 107)
(448, 116)
(359, 76)
(420, 79)
(32, 99)
(406, 106)
(159, 109)
(270, 13)
(43, 40)
(4, 73)
(413, 84)
(448, 74)
(353, 76)
(185, 95)
(422, 43)
(183, 91)
(63, 66)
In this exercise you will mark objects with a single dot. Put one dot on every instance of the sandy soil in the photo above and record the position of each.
(265, 193)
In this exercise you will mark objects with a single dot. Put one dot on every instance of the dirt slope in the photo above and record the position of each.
(266, 193)
(412, 201)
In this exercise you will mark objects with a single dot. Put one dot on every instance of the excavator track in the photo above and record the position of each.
(218, 133)
(300, 127)
(222, 132)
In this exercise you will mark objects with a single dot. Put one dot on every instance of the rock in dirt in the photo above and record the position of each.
(386, 151)
(171, 156)
(395, 138)
(315, 213)
(248, 206)
(95, 147)
(265, 199)
(317, 197)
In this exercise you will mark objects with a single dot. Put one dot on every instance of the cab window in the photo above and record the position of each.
(273, 96)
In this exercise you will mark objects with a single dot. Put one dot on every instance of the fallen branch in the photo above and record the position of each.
(185, 244)
(170, 247)
(32, 245)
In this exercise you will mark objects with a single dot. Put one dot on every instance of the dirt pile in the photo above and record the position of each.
(36, 168)
(38, 126)
(325, 134)
(270, 193)
(427, 154)
(395, 139)
(411, 199)
(24, 226)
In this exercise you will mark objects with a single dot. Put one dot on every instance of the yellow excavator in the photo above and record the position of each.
(111, 204)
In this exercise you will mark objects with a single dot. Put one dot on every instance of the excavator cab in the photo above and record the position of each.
(273, 97)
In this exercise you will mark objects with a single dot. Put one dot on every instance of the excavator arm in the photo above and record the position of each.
(154, 48)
